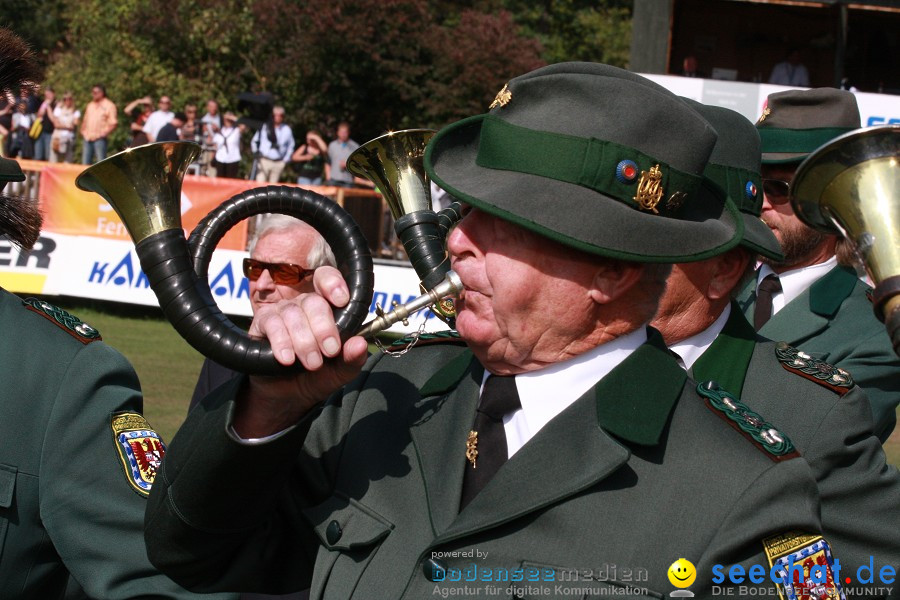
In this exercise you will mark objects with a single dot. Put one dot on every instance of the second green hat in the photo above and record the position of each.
(796, 122)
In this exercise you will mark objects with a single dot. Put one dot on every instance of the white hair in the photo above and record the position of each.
(319, 255)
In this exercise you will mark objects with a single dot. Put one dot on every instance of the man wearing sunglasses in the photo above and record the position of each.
(812, 299)
(283, 256)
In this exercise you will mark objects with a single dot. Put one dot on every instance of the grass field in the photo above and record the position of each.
(168, 367)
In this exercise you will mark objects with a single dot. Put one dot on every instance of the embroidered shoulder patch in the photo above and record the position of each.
(821, 372)
(140, 449)
(805, 565)
(750, 424)
(424, 339)
(69, 323)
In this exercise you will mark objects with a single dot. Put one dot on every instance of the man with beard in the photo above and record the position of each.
(824, 414)
(808, 299)
(560, 438)
(77, 459)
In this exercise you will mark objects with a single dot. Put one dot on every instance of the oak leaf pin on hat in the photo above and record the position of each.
(594, 157)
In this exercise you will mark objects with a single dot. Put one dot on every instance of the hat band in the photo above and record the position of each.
(776, 139)
(587, 162)
(743, 186)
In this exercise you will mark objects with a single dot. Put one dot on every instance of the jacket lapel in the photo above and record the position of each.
(812, 311)
(578, 447)
(727, 358)
(439, 430)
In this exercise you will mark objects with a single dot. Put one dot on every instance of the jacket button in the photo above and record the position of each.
(333, 532)
(435, 570)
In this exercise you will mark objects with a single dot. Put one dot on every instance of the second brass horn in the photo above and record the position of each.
(851, 187)
(394, 162)
(143, 185)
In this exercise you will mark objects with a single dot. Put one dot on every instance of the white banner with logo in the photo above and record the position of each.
(108, 269)
(750, 98)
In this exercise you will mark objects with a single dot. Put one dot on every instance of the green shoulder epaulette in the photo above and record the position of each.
(69, 323)
(801, 363)
(775, 444)
(424, 339)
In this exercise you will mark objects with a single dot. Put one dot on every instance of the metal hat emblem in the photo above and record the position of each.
(502, 98)
(650, 190)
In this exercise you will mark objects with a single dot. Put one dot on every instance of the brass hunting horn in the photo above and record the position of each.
(851, 187)
(394, 163)
(143, 185)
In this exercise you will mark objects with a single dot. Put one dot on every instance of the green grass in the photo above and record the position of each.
(168, 367)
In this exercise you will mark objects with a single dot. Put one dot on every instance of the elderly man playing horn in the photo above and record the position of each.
(825, 414)
(560, 440)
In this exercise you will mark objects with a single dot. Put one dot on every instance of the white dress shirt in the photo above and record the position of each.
(795, 282)
(547, 392)
(692, 348)
(544, 393)
(281, 150)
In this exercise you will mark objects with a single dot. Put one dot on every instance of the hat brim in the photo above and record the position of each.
(10, 170)
(759, 238)
(577, 216)
(783, 158)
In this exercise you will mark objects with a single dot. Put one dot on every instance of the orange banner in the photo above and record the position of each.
(71, 211)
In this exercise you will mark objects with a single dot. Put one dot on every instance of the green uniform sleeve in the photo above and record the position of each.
(876, 369)
(91, 512)
(860, 493)
(212, 545)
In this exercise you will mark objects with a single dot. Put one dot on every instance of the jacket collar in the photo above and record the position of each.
(810, 312)
(625, 406)
(727, 358)
(828, 293)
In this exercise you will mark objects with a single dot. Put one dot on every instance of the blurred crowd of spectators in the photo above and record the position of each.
(54, 129)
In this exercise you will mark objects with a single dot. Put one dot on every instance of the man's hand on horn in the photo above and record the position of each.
(303, 329)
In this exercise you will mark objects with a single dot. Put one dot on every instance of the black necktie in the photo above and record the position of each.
(486, 449)
(769, 286)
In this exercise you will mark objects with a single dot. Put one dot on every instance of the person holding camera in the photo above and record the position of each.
(311, 157)
(274, 145)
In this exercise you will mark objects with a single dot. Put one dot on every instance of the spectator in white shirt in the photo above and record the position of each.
(158, 118)
(273, 144)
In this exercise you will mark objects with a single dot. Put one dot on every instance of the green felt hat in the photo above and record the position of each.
(10, 171)
(733, 172)
(796, 122)
(594, 157)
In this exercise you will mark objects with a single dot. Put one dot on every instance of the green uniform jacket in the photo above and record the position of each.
(66, 506)
(361, 496)
(833, 321)
(860, 493)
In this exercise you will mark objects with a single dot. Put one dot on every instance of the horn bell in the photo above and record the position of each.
(143, 185)
(851, 187)
(394, 162)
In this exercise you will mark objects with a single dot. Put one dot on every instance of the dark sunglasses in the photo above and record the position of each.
(776, 191)
(281, 273)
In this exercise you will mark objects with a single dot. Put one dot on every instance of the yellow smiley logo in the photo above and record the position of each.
(682, 573)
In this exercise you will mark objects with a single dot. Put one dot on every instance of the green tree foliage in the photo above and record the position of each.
(41, 23)
(589, 30)
(380, 64)
(472, 61)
